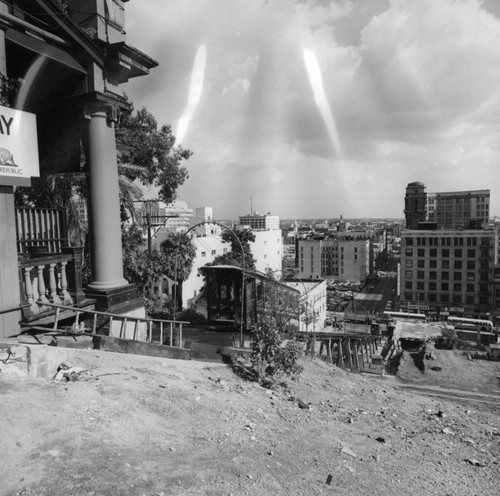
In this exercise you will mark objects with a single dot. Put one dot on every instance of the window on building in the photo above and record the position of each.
(420, 285)
(457, 298)
(420, 274)
(471, 276)
(408, 252)
(214, 252)
(432, 286)
(471, 288)
(203, 253)
(469, 299)
(458, 253)
(421, 263)
(433, 264)
(433, 252)
(457, 264)
(409, 241)
(457, 287)
(445, 286)
(432, 297)
(471, 253)
(445, 264)
(421, 252)
(432, 274)
(409, 264)
(444, 298)
(408, 274)
(445, 252)
(445, 275)
(458, 241)
(408, 296)
(457, 276)
(408, 285)
(471, 264)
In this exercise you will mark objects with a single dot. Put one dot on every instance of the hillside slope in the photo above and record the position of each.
(142, 426)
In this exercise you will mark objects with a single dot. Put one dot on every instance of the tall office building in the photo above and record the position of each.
(445, 271)
(267, 248)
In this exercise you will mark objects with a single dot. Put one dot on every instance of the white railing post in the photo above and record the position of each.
(28, 287)
(64, 283)
(53, 285)
(42, 291)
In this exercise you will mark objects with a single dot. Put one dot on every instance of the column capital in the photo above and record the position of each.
(98, 108)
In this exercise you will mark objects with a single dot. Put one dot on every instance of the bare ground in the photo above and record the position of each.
(167, 427)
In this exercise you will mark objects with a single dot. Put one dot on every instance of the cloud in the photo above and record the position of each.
(413, 88)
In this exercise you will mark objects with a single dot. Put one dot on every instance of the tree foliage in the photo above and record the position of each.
(271, 359)
(240, 238)
(179, 252)
(152, 150)
(146, 270)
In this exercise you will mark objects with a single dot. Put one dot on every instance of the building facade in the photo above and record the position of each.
(64, 62)
(267, 250)
(344, 258)
(458, 209)
(258, 222)
(446, 271)
(312, 304)
(446, 210)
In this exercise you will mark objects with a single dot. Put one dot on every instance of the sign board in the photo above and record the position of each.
(18, 147)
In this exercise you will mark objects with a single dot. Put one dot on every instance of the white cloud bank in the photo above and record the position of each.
(417, 97)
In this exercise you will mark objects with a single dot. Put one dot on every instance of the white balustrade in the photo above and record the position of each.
(46, 283)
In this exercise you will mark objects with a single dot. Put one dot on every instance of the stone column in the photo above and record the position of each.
(104, 205)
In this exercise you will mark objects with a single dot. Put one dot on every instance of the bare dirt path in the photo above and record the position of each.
(165, 427)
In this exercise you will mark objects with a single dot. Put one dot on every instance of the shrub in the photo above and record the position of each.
(271, 360)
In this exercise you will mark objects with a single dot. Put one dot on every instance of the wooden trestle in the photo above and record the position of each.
(356, 352)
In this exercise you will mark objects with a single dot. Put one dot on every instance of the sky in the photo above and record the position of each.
(313, 109)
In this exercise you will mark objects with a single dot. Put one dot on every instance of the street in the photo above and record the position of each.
(375, 295)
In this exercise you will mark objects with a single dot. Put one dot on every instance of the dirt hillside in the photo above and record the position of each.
(142, 426)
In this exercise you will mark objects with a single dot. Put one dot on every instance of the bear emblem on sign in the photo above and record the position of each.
(6, 158)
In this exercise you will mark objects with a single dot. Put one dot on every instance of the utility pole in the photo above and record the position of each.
(154, 221)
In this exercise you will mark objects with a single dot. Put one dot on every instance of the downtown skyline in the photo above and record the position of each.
(316, 109)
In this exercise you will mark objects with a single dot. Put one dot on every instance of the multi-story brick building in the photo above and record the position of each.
(457, 209)
(448, 271)
(346, 258)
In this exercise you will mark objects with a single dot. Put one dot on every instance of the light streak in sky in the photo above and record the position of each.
(316, 80)
(194, 95)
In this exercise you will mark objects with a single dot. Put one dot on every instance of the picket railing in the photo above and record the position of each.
(93, 322)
